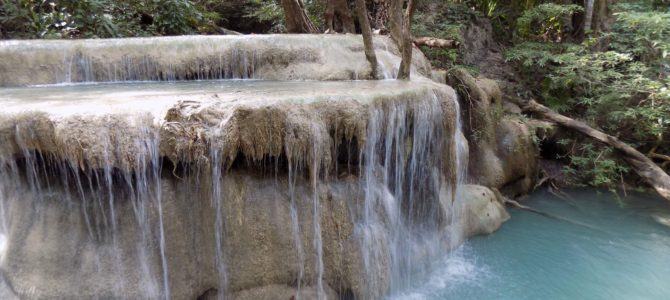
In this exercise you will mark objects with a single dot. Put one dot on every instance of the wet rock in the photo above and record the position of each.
(485, 212)
(502, 152)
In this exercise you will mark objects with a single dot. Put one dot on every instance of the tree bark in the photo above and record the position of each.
(296, 17)
(642, 165)
(436, 43)
(406, 62)
(366, 31)
(395, 21)
(588, 15)
(339, 10)
(602, 16)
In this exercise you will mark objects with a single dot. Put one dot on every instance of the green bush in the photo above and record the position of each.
(616, 82)
(443, 20)
(101, 18)
(546, 21)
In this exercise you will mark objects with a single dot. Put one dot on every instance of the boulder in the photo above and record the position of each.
(502, 152)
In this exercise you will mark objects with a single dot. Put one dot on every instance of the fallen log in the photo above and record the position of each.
(641, 164)
(436, 43)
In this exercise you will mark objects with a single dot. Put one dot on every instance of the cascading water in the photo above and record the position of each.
(407, 193)
(270, 57)
(295, 224)
(164, 192)
(316, 213)
(95, 194)
(219, 259)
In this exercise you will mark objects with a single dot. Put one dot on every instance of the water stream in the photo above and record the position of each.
(110, 157)
(627, 256)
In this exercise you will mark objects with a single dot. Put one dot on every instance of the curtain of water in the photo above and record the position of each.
(295, 222)
(37, 183)
(406, 192)
(219, 260)
(404, 176)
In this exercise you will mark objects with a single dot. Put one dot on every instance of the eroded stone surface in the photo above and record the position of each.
(87, 190)
(270, 57)
(502, 152)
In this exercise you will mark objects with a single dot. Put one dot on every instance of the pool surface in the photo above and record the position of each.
(616, 249)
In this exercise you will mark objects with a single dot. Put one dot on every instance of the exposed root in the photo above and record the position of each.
(518, 205)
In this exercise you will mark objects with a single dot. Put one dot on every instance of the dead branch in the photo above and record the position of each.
(659, 156)
(641, 164)
(436, 43)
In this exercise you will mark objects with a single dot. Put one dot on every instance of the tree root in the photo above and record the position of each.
(518, 205)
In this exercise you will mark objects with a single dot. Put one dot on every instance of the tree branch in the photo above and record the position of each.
(642, 165)
(436, 43)
(659, 156)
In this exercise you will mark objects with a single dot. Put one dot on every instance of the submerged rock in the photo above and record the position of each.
(661, 219)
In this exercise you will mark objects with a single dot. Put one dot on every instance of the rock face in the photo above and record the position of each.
(485, 211)
(235, 189)
(502, 152)
(226, 188)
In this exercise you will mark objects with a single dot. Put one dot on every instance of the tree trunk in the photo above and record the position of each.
(643, 166)
(296, 17)
(395, 21)
(602, 16)
(338, 10)
(366, 31)
(588, 15)
(406, 62)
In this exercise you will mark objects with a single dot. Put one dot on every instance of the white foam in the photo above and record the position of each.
(454, 269)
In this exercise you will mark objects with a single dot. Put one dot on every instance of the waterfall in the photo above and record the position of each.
(219, 259)
(316, 166)
(160, 190)
(37, 183)
(407, 197)
(180, 58)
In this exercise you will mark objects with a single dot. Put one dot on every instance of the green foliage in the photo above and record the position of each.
(645, 34)
(272, 12)
(545, 21)
(101, 18)
(173, 17)
(315, 11)
(442, 20)
(596, 166)
(617, 82)
(267, 11)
